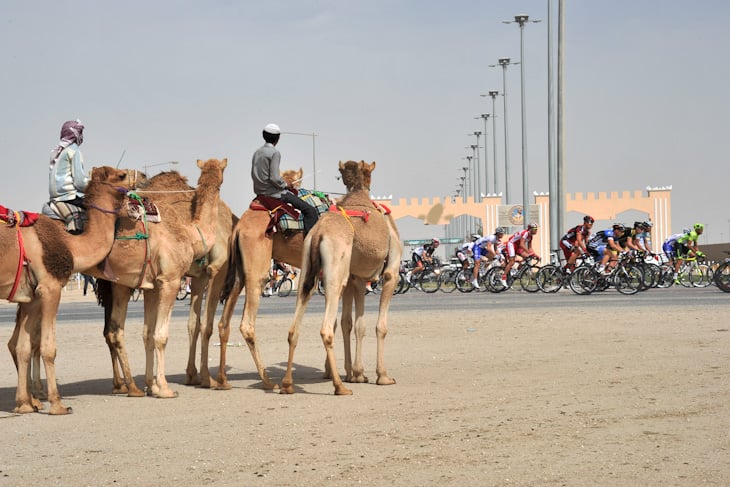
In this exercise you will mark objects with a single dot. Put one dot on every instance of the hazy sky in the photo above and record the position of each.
(397, 82)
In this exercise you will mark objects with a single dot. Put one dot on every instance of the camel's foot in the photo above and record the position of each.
(357, 378)
(36, 402)
(135, 391)
(208, 383)
(162, 392)
(286, 388)
(25, 409)
(222, 386)
(384, 380)
(120, 390)
(341, 390)
(59, 410)
(192, 379)
(269, 386)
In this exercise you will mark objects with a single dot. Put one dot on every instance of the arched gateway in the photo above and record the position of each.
(491, 212)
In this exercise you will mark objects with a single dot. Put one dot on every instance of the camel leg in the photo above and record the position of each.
(303, 296)
(216, 282)
(346, 322)
(390, 278)
(248, 329)
(157, 328)
(331, 299)
(224, 334)
(20, 349)
(358, 370)
(50, 298)
(114, 319)
(197, 287)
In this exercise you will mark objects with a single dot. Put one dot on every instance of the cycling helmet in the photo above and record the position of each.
(500, 230)
(699, 227)
(686, 230)
(435, 241)
(639, 225)
(532, 226)
(619, 226)
(648, 224)
(588, 219)
(475, 237)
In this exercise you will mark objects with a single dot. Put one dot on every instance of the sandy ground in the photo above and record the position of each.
(614, 396)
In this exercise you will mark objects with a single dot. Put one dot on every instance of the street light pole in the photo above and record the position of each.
(314, 159)
(504, 62)
(477, 176)
(521, 20)
(485, 116)
(493, 94)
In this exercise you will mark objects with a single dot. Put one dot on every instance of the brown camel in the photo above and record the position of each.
(349, 247)
(49, 255)
(249, 262)
(155, 258)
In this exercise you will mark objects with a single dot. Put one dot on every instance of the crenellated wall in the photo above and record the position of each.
(655, 202)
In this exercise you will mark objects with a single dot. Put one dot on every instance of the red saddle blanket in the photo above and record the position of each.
(17, 218)
(276, 209)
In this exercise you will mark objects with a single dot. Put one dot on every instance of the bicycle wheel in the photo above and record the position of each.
(628, 279)
(182, 291)
(401, 286)
(448, 281)
(652, 272)
(583, 280)
(493, 280)
(429, 281)
(528, 278)
(684, 275)
(666, 276)
(700, 275)
(549, 279)
(722, 277)
(320, 287)
(285, 287)
(463, 281)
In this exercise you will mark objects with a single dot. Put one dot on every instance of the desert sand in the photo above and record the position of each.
(595, 394)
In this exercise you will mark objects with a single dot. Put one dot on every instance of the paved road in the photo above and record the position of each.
(673, 297)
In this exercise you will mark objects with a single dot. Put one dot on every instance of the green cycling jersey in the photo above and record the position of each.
(688, 237)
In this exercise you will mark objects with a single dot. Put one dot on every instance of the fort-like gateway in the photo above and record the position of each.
(654, 204)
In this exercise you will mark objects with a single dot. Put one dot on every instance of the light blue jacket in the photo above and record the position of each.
(68, 178)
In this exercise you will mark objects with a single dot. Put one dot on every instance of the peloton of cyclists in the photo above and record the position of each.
(519, 244)
(574, 242)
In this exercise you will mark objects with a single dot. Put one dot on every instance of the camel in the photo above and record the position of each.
(249, 262)
(349, 247)
(49, 255)
(154, 258)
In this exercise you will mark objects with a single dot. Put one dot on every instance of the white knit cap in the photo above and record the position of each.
(272, 128)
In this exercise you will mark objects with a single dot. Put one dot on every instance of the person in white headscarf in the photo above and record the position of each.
(68, 179)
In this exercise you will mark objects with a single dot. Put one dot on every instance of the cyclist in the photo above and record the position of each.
(276, 267)
(574, 242)
(628, 240)
(604, 245)
(645, 240)
(421, 254)
(488, 248)
(519, 244)
(670, 246)
(687, 247)
(470, 249)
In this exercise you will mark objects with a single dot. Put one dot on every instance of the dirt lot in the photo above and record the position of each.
(587, 396)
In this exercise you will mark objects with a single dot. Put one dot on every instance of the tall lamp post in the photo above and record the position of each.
(485, 116)
(477, 176)
(493, 94)
(521, 20)
(504, 62)
(158, 164)
(314, 159)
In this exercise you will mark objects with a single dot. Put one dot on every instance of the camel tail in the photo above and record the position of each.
(312, 264)
(104, 299)
(235, 267)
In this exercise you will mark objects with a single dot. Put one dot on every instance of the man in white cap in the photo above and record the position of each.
(267, 178)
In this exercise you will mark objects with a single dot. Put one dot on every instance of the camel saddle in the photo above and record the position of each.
(284, 217)
(139, 207)
(17, 218)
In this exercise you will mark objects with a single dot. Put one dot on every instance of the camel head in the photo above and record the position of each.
(211, 172)
(111, 176)
(293, 178)
(356, 175)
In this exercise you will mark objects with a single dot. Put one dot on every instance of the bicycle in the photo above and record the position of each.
(551, 278)
(524, 272)
(722, 276)
(626, 277)
(692, 273)
(184, 290)
(448, 277)
(282, 286)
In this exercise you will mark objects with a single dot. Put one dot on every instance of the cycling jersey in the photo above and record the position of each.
(630, 232)
(686, 238)
(480, 246)
(464, 250)
(572, 234)
(420, 252)
(513, 242)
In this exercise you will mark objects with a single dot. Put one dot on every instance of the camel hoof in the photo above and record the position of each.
(121, 390)
(208, 383)
(36, 403)
(135, 393)
(269, 386)
(192, 380)
(25, 409)
(166, 394)
(60, 410)
(223, 386)
(358, 379)
(385, 381)
(286, 389)
(342, 391)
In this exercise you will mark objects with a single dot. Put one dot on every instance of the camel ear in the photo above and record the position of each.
(224, 163)
(300, 173)
(372, 166)
(341, 165)
(200, 164)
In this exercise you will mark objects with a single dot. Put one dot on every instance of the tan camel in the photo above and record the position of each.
(155, 258)
(249, 262)
(50, 255)
(349, 247)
